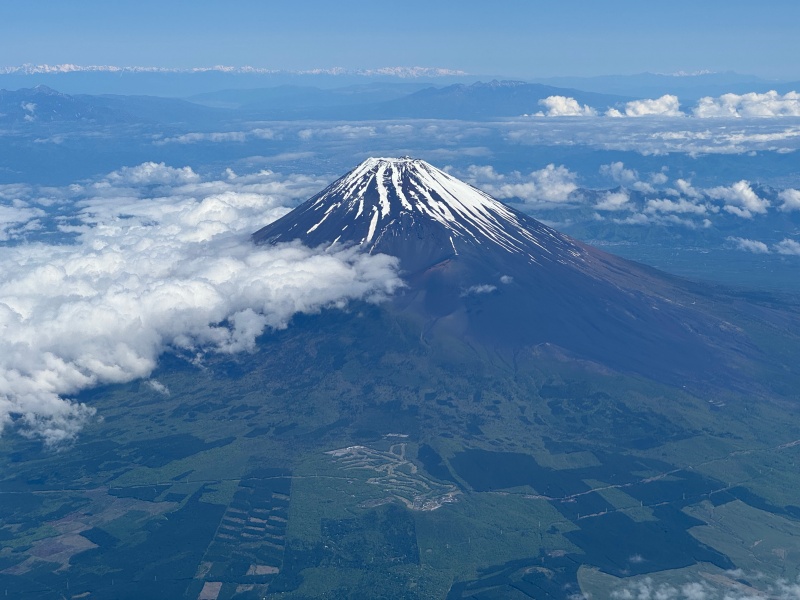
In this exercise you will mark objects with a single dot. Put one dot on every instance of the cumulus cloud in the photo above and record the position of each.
(681, 206)
(550, 185)
(788, 246)
(157, 386)
(771, 104)
(30, 111)
(613, 201)
(564, 106)
(149, 173)
(791, 200)
(739, 199)
(479, 289)
(16, 218)
(665, 106)
(149, 272)
(619, 173)
(630, 177)
(685, 188)
(659, 178)
(748, 245)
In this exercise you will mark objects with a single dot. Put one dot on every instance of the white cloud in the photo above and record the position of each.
(659, 136)
(147, 273)
(788, 246)
(619, 173)
(550, 185)
(665, 106)
(791, 200)
(685, 188)
(659, 178)
(614, 201)
(348, 132)
(563, 106)
(771, 104)
(157, 386)
(681, 206)
(218, 137)
(747, 245)
(630, 177)
(30, 110)
(150, 173)
(479, 289)
(739, 199)
(399, 129)
(634, 219)
(16, 218)
(719, 588)
(484, 173)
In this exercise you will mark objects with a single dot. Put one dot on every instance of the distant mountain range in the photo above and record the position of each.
(485, 100)
(307, 98)
(494, 99)
(172, 82)
(42, 104)
(388, 101)
(160, 81)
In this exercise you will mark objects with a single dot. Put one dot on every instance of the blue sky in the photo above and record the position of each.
(513, 37)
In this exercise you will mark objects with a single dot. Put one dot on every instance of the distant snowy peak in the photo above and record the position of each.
(400, 72)
(394, 204)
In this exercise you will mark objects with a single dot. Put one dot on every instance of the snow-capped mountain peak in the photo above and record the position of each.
(480, 270)
(385, 200)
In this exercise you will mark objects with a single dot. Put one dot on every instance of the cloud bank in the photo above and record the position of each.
(709, 589)
(195, 137)
(550, 185)
(771, 104)
(752, 105)
(650, 198)
(161, 259)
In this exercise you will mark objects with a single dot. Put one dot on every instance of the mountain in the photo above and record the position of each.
(483, 100)
(179, 83)
(689, 87)
(290, 98)
(477, 100)
(375, 100)
(529, 418)
(479, 269)
(42, 104)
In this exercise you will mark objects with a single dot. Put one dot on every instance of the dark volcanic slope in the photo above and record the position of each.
(479, 269)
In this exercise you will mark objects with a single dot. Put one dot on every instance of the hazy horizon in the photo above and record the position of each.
(520, 39)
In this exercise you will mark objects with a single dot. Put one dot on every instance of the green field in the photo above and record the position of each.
(384, 468)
